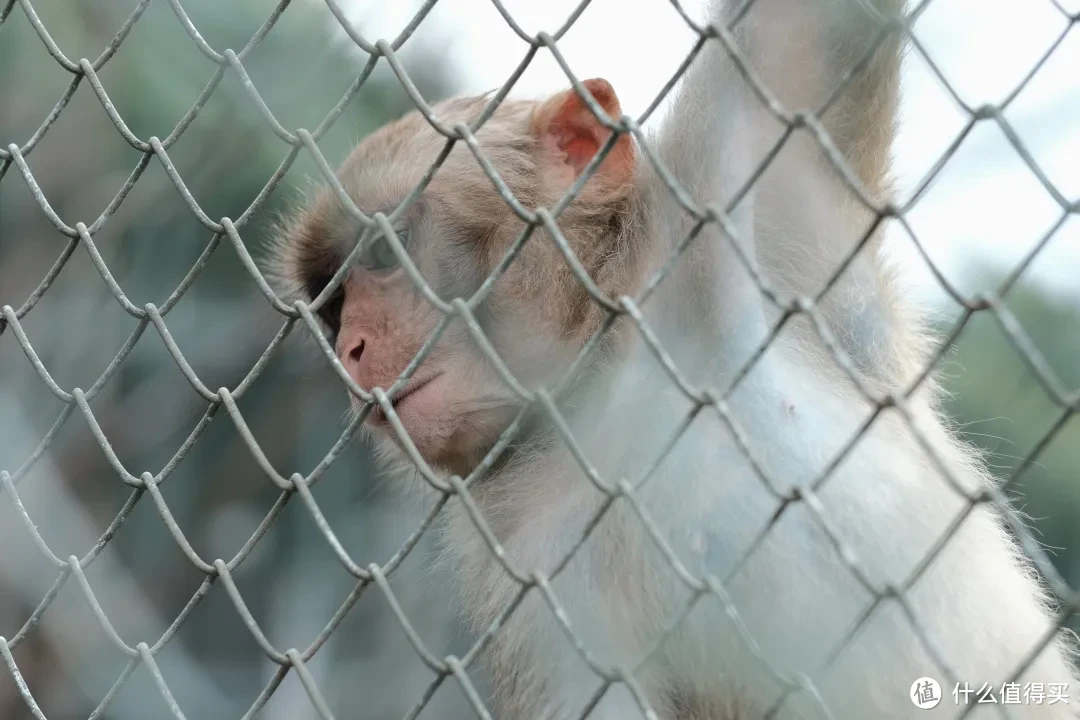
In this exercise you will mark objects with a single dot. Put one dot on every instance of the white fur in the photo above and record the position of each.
(796, 596)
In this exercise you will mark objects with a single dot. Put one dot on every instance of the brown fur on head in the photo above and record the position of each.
(537, 316)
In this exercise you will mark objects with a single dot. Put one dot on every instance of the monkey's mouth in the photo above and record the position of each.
(378, 417)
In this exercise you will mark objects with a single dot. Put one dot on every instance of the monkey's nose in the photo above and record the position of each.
(350, 356)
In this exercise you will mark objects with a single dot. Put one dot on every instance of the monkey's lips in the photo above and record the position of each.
(415, 385)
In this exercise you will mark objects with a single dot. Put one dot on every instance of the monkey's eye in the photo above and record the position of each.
(380, 256)
(331, 310)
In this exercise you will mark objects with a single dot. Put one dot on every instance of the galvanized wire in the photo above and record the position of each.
(227, 231)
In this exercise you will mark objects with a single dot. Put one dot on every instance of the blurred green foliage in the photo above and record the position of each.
(292, 583)
(1001, 406)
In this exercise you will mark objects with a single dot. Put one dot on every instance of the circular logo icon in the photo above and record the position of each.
(925, 693)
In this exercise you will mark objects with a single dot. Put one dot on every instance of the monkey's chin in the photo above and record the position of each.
(447, 439)
(421, 409)
(434, 441)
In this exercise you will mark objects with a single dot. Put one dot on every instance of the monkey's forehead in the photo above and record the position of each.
(389, 163)
(409, 145)
(380, 182)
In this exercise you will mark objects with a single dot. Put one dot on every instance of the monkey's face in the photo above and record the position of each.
(536, 316)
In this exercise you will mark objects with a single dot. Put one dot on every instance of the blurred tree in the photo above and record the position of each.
(999, 405)
(302, 68)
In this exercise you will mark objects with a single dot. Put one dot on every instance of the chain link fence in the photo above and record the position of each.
(234, 235)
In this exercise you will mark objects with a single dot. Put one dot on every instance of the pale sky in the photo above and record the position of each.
(985, 204)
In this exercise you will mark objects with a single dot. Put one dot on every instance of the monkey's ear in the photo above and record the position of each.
(570, 135)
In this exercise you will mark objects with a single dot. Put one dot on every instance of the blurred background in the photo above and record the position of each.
(985, 212)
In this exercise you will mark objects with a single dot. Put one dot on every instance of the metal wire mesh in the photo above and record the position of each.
(227, 231)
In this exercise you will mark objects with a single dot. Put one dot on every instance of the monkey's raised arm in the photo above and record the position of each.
(839, 55)
(799, 218)
(707, 146)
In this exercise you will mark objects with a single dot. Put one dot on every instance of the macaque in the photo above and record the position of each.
(818, 601)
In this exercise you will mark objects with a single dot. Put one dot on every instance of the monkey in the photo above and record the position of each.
(701, 513)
